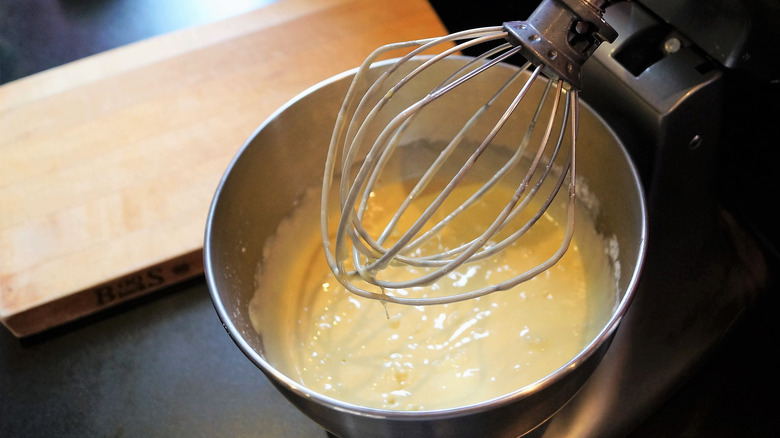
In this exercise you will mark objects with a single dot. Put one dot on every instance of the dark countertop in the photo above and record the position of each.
(164, 366)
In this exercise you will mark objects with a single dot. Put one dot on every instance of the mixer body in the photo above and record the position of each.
(666, 98)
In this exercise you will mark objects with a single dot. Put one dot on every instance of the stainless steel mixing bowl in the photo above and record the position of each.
(285, 157)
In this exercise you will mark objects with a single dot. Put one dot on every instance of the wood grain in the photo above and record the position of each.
(108, 164)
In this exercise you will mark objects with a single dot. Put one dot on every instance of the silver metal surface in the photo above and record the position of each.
(561, 35)
(402, 104)
(702, 269)
(284, 158)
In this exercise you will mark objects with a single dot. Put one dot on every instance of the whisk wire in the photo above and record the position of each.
(470, 249)
(437, 164)
(358, 185)
(492, 249)
(415, 228)
(349, 192)
(369, 256)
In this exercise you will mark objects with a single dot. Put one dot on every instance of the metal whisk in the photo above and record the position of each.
(556, 39)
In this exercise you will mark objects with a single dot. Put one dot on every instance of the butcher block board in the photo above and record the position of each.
(108, 164)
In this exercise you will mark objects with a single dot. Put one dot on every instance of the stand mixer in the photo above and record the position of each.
(675, 95)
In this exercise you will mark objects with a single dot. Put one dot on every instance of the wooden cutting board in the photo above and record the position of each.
(108, 164)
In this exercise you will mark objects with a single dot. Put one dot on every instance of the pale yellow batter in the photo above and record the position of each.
(433, 357)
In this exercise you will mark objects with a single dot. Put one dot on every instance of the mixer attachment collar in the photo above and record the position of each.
(561, 35)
